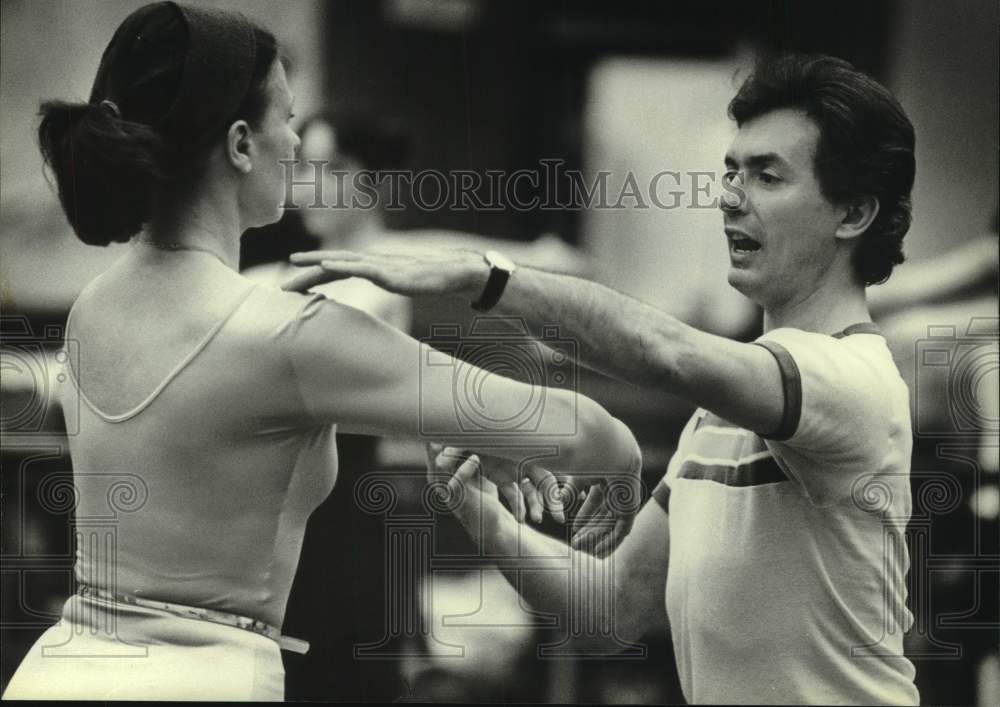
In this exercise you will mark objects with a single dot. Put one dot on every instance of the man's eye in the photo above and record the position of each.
(730, 176)
(768, 178)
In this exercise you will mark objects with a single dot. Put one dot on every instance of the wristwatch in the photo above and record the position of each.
(501, 268)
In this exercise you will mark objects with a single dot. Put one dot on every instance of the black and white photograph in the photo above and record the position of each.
(500, 351)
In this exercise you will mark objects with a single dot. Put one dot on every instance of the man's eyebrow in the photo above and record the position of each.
(765, 159)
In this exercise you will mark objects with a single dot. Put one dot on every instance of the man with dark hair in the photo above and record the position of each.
(865, 146)
(782, 515)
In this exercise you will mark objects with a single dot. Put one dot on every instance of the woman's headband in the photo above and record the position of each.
(218, 61)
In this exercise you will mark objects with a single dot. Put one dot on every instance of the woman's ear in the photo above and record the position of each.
(238, 146)
(858, 216)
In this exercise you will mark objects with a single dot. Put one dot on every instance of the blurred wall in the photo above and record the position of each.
(945, 69)
(650, 116)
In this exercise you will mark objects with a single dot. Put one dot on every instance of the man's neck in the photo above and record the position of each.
(827, 309)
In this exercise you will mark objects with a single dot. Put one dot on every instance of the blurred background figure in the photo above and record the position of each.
(343, 146)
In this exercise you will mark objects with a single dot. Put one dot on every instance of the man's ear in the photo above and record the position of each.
(858, 216)
(238, 147)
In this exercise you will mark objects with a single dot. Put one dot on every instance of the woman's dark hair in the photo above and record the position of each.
(115, 156)
(866, 144)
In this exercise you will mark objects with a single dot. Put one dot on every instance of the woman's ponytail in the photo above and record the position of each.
(108, 170)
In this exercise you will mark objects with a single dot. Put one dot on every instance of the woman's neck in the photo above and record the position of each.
(206, 224)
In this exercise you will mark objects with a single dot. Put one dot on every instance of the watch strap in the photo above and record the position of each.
(495, 286)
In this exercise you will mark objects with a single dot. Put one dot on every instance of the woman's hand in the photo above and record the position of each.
(528, 489)
(469, 495)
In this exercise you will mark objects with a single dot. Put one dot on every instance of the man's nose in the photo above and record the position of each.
(734, 196)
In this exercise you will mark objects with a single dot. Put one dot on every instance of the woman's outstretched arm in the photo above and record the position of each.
(358, 372)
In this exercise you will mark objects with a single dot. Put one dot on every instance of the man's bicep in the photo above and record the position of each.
(741, 383)
(846, 398)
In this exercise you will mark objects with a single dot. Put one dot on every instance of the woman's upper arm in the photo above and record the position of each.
(352, 369)
(355, 370)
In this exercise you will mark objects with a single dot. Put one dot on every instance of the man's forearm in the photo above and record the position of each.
(632, 341)
(615, 334)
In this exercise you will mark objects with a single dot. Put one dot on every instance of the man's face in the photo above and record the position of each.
(782, 234)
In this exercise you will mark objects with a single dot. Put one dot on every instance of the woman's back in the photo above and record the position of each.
(193, 435)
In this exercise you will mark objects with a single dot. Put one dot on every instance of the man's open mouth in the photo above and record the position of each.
(743, 244)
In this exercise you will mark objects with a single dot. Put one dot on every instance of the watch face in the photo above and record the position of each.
(499, 260)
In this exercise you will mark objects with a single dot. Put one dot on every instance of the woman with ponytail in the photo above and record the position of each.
(204, 435)
(108, 162)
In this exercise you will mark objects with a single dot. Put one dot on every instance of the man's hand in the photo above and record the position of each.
(605, 517)
(412, 273)
(610, 503)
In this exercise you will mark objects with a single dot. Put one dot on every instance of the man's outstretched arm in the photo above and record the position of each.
(615, 334)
